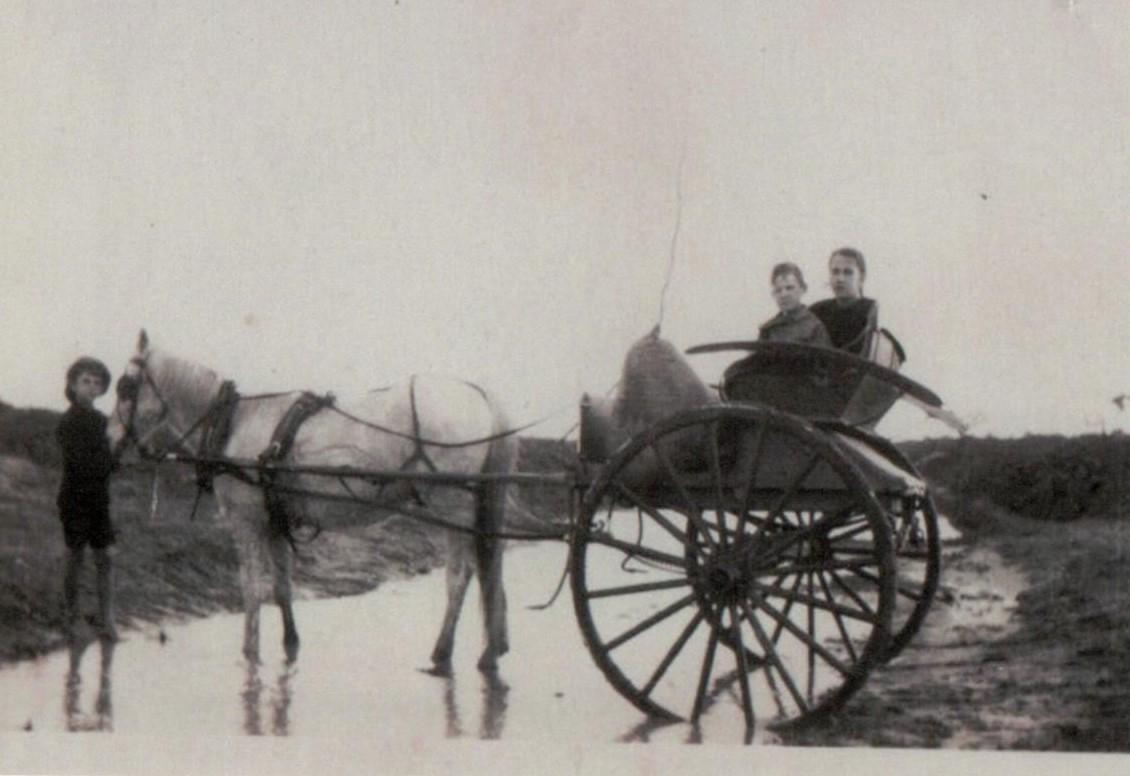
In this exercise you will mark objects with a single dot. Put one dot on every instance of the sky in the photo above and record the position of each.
(333, 196)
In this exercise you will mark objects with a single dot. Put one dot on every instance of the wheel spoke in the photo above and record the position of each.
(800, 533)
(694, 514)
(811, 641)
(743, 669)
(715, 457)
(704, 677)
(863, 527)
(650, 622)
(774, 658)
(854, 596)
(788, 603)
(839, 619)
(750, 477)
(637, 550)
(804, 568)
(651, 512)
(791, 490)
(810, 600)
(673, 653)
(645, 587)
(792, 628)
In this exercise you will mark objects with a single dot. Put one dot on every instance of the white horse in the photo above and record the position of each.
(166, 404)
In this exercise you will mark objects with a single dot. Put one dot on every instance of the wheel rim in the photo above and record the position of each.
(697, 562)
(918, 551)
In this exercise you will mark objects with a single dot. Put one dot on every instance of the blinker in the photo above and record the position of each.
(127, 387)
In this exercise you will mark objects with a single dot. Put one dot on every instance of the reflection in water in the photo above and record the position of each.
(493, 720)
(279, 700)
(103, 718)
(641, 733)
(723, 686)
(494, 705)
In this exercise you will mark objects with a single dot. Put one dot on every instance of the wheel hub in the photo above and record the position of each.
(725, 576)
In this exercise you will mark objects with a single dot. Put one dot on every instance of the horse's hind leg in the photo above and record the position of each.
(494, 605)
(283, 561)
(459, 569)
(488, 556)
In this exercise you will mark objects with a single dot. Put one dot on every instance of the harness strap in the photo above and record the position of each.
(282, 518)
(214, 435)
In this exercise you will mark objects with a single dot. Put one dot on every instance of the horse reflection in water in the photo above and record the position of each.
(103, 718)
(278, 700)
(493, 719)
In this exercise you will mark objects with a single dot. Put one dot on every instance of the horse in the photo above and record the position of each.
(428, 424)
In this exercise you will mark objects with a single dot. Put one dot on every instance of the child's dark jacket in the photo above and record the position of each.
(85, 490)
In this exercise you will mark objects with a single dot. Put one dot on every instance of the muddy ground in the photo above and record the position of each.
(1026, 649)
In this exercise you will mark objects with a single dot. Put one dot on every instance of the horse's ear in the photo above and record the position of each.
(142, 342)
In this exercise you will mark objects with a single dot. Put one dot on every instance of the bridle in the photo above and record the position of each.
(128, 390)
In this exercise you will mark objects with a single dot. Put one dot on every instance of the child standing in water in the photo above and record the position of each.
(84, 495)
(794, 322)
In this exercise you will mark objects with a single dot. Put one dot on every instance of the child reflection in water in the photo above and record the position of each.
(103, 718)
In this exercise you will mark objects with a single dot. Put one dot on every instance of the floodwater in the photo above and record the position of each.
(360, 674)
(357, 674)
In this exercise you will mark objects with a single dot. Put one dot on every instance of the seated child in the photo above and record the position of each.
(794, 322)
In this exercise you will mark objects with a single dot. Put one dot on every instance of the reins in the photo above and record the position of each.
(262, 473)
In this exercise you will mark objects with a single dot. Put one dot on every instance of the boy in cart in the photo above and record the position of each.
(794, 322)
(84, 494)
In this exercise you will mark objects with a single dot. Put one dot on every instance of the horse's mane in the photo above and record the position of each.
(176, 376)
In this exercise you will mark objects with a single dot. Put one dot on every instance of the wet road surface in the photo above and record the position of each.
(358, 674)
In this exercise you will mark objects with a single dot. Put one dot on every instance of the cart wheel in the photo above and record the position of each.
(742, 528)
(918, 561)
(918, 553)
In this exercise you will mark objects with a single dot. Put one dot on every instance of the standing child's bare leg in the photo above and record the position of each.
(70, 589)
(104, 565)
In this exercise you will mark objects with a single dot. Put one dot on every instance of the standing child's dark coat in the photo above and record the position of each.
(84, 495)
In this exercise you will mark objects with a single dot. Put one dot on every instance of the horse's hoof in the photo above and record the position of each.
(291, 650)
(442, 671)
(488, 665)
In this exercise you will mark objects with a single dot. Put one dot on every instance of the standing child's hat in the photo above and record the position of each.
(87, 364)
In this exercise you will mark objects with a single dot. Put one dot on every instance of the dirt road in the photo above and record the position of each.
(1026, 649)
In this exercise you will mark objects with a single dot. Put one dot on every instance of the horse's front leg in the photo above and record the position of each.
(249, 587)
(250, 540)
(459, 570)
(283, 561)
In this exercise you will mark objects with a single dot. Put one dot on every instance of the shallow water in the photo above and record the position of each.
(358, 674)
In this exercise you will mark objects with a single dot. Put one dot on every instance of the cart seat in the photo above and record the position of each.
(819, 382)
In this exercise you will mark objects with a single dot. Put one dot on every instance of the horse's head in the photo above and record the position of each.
(140, 411)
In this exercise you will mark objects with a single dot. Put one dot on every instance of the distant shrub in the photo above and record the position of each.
(29, 433)
(1042, 477)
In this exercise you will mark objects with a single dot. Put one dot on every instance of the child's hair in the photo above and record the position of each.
(788, 268)
(855, 256)
(86, 364)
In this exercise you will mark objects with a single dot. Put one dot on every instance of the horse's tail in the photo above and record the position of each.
(490, 506)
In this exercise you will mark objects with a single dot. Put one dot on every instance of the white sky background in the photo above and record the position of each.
(334, 197)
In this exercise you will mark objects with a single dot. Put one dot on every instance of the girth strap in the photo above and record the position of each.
(282, 517)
